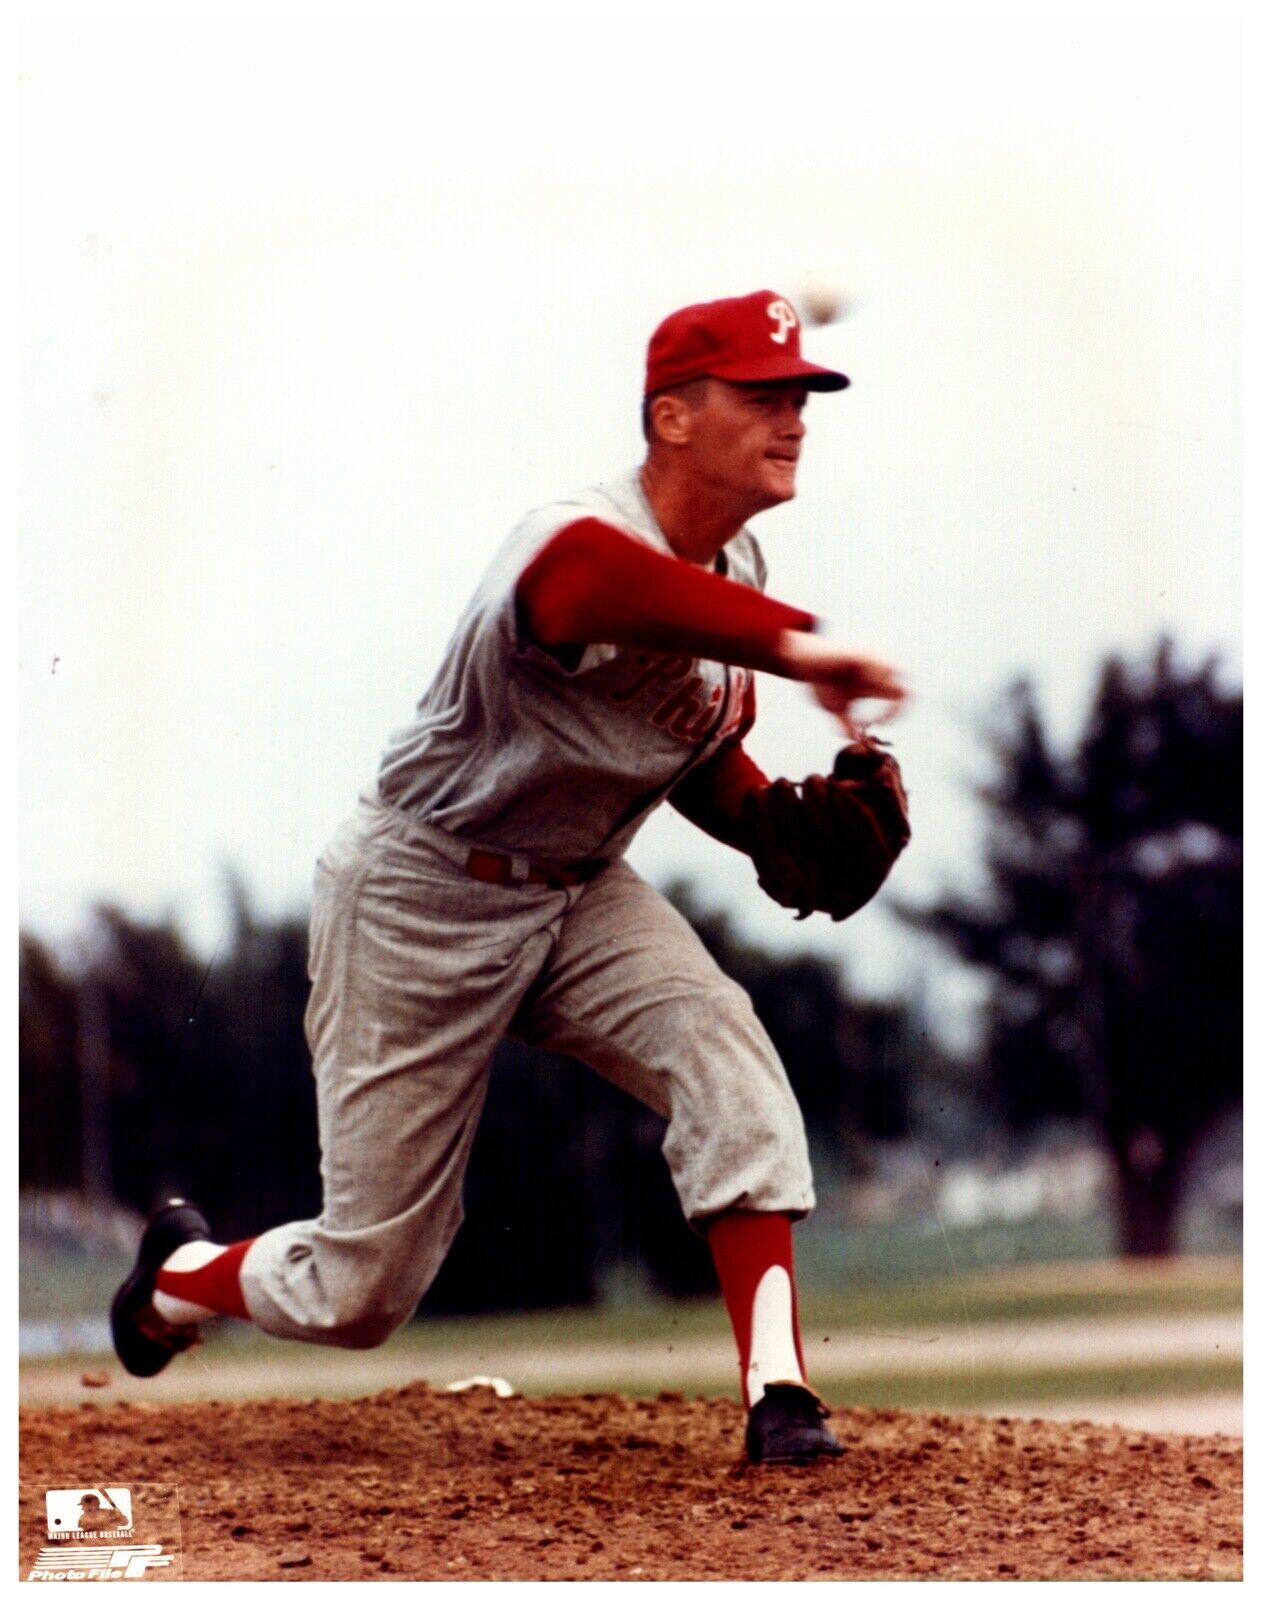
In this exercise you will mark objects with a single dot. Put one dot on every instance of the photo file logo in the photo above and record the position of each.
(94, 1539)
(57, 1563)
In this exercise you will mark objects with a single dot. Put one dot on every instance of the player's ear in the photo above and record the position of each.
(671, 417)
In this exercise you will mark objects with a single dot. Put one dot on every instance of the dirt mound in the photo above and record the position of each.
(419, 1484)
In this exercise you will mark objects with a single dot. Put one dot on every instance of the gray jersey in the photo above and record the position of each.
(514, 749)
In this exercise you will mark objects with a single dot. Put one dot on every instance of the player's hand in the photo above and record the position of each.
(840, 680)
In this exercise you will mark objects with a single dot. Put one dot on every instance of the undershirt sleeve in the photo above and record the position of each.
(593, 584)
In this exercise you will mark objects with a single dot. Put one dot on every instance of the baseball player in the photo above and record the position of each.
(605, 664)
(97, 1518)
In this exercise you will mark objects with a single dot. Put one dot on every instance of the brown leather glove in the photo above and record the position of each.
(828, 844)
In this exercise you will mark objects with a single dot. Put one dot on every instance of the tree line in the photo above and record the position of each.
(1112, 922)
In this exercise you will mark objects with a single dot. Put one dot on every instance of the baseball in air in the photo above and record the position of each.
(821, 300)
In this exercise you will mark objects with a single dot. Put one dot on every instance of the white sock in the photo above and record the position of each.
(186, 1259)
(773, 1355)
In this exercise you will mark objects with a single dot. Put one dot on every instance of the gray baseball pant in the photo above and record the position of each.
(418, 971)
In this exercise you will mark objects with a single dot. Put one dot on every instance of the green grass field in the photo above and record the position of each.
(967, 1390)
(1048, 1291)
(1112, 1289)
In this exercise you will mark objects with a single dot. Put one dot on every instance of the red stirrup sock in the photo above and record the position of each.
(753, 1255)
(194, 1285)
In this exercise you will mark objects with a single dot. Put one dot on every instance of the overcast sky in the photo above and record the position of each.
(311, 315)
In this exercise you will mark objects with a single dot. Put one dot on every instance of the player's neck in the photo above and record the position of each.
(696, 523)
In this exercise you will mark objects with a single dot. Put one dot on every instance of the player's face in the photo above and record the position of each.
(746, 440)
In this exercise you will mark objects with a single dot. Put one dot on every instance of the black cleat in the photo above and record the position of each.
(143, 1341)
(786, 1427)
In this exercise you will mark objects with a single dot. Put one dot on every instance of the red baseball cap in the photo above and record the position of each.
(756, 338)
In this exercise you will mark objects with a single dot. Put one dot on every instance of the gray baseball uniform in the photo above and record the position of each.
(418, 969)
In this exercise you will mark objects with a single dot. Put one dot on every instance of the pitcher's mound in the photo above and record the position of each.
(419, 1484)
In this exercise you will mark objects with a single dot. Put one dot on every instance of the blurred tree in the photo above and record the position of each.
(143, 982)
(1113, 923)
(205, 1078)
(50, 1153)
(250, 1019)
(529, 1234)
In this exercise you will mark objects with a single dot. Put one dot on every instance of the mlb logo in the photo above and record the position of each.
(88, 1510)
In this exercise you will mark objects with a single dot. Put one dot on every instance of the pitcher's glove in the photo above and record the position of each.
(827, 844)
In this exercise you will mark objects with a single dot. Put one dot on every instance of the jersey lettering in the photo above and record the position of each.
(657, 669)
(782, 314)
(681, 712)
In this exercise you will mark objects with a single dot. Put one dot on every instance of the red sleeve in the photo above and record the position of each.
(592, 584)
(711, 794)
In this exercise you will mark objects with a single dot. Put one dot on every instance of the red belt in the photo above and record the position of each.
(488, 866)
